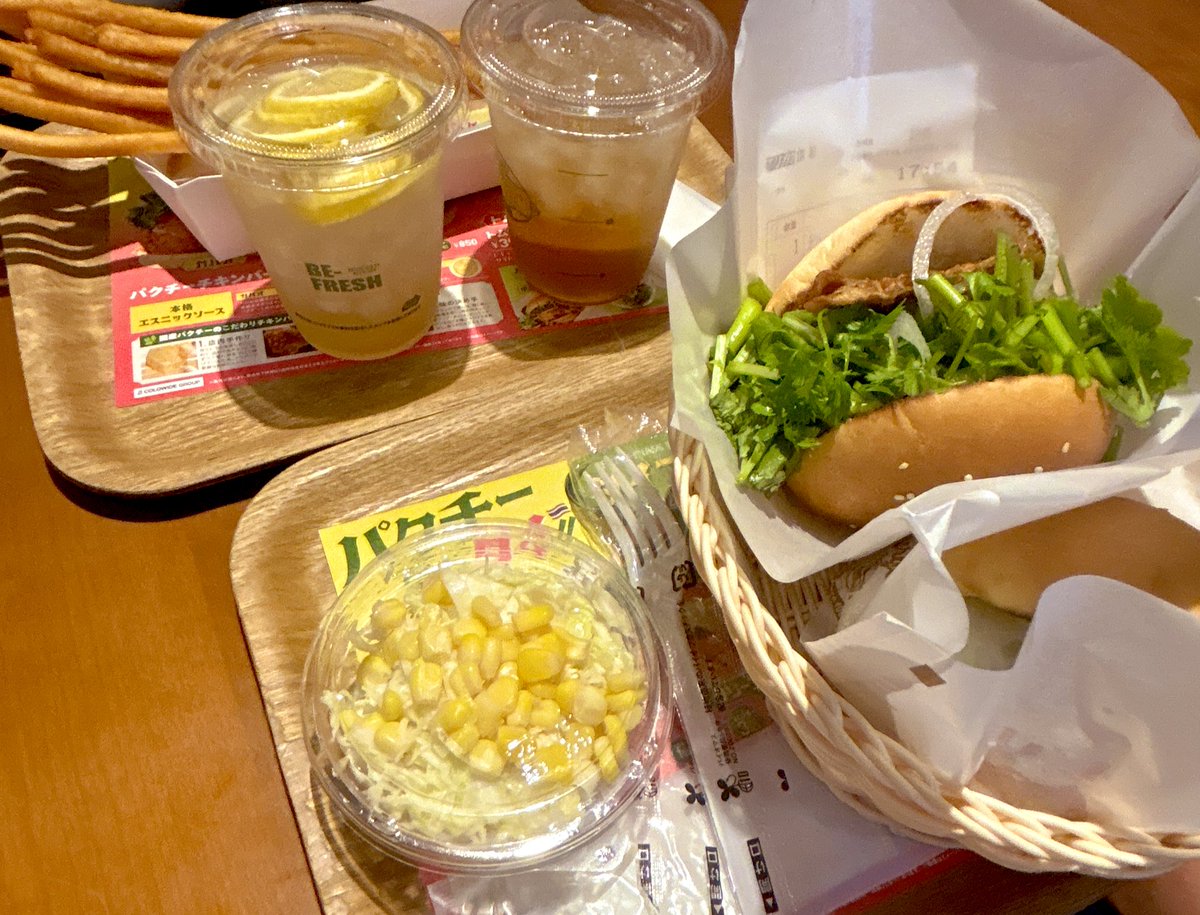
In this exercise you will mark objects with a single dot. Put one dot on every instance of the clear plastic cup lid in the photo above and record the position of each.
(605, 58)
(220, 83)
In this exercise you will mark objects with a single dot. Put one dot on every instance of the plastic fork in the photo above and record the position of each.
(648, 536)
(654, 547)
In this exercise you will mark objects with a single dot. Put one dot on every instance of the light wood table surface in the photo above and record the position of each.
(137, 772)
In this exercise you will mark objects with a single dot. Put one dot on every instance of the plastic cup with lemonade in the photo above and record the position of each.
(328, 122)
(590, 109)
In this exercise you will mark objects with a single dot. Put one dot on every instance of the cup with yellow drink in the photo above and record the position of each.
(328, 122)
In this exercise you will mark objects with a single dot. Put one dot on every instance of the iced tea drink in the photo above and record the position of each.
(590, 107)
(328, 122)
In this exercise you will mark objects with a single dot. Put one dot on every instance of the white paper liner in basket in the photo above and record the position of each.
(864, 767)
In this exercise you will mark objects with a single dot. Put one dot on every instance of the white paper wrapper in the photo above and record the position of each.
(847, 105)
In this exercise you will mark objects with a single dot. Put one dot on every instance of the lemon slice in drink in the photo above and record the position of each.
(376, 182)
(409, 97)
(331, 134)
(342, 91)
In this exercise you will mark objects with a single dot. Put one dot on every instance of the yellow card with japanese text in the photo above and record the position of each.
(538, 495)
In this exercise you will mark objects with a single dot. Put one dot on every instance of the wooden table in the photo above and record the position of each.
(136, 766)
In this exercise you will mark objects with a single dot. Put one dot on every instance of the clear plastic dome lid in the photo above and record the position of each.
(607, 58)
(485, 696)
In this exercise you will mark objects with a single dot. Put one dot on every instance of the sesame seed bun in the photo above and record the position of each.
(1116, 538)
(879, 460)
(1015, 425)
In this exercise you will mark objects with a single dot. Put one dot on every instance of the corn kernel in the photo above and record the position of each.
(503, 631)
(509, 649)
(348, 719)
(467, 625)
(614, 730)
(489, 659)
(503, 691)
(457, 682)
(454, 713)
(520, 753)
(533, 617)
(435, 592)
(545, 713)
(387, 615)
(590, 705)
(574, 626)
(485, 758)
(435, 642)
(632, 716)
(507, 738)
(605, 758)
(507, 669)
(472, 678)
(391, 705)
(470, 647)
(587, 773)
(389, 648)
(621, 680)
(547, 640)
(410, 645)
(575, 650)
(465, 737)
(390, 738)
(537, 664)
(578, 738)
(484, 608)
(542, 690)
(488, 715)
(426, 682)
(553, 762)
(564, 695)
(619, 702)
(523, 708)
(373, 671)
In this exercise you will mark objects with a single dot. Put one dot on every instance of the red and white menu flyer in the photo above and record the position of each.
(185, 323)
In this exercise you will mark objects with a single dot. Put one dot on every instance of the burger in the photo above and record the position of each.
(923, 343)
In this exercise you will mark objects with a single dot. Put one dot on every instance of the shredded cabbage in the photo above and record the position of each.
(419, 777)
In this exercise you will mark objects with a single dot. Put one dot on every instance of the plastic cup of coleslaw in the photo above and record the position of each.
(483, 697)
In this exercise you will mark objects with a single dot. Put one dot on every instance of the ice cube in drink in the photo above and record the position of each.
(590, 109)
(584, 211)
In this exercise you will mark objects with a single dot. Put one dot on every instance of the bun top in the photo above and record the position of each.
(868, 260)
(1116, 538)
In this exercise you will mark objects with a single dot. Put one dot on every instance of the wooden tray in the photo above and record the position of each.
(54, 224)
(283, 585)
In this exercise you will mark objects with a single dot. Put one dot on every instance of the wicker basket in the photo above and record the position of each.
(867, 769)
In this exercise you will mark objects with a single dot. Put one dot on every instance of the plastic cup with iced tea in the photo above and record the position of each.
(327, 121)
(591, 103)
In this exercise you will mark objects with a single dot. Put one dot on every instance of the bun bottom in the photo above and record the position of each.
(989, 429)
(1118, 538)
